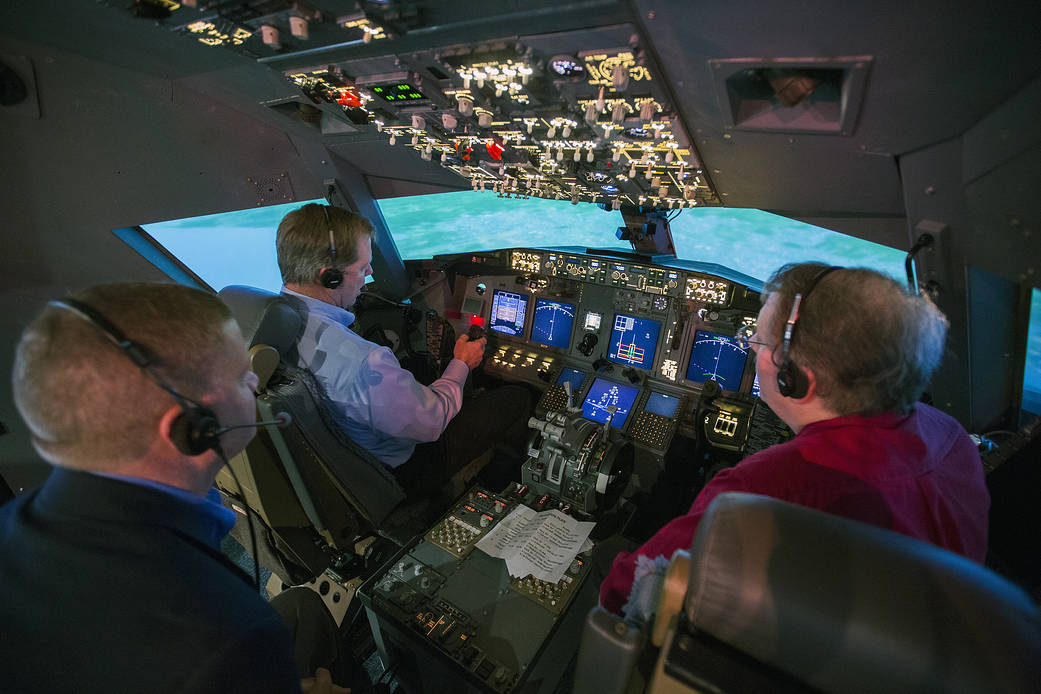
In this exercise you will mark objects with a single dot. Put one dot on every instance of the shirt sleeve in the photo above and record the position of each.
(400, 406)
(676, 534)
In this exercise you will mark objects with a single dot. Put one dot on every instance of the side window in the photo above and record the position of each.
(216, 250)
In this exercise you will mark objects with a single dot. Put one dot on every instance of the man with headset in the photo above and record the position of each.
(842, 356)
(111, 573)
(324, 255)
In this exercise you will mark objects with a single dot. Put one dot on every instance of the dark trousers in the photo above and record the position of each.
(492, 419)
(312, 629)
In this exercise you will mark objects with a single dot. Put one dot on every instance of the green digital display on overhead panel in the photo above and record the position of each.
(397, 92)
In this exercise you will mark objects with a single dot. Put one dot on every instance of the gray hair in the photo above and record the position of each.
(872, 346)
(302, 242)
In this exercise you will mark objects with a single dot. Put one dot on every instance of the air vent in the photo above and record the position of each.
(791, 95)
(328, 119)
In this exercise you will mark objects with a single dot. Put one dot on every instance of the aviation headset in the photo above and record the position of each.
(331, 277)
(197, 429)
(791, 380)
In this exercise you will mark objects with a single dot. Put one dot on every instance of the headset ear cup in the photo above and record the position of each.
(791, 381)
(331, 278)
(195, 431)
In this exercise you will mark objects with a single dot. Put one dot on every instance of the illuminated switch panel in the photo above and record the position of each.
(520, 362)
(526, 261)
(726, 424)
(669, 368)
(474, 515)
(708, 290)
(727, 428)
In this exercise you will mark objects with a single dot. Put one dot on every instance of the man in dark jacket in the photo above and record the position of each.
(111, 573)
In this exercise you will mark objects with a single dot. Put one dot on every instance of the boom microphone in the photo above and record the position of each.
(281, 420)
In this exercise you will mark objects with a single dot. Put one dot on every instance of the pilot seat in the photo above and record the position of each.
(775, 597)
(323, 498)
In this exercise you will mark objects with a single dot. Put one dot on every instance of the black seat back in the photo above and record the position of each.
(780, 597)
(309, 477)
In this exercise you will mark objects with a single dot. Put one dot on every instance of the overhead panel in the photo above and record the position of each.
(580, 115)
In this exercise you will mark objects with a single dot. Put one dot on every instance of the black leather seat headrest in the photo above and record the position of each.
(264, 318)
(849, 607)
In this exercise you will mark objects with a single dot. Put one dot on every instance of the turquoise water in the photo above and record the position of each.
(228, 248)
(751, 241)
(239, 247)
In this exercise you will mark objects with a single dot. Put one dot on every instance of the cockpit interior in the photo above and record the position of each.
(601, 188)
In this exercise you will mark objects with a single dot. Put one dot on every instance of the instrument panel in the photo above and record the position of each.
(597, 332)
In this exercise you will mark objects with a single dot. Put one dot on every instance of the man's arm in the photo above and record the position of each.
(400, 406)
(676, 534)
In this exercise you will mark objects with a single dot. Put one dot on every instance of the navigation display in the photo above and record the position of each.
(633, 341)
(551, 323)
(755, 387)
(508, 312)
(573, 376)
(716, 357)
(603, 394)
(660, 403)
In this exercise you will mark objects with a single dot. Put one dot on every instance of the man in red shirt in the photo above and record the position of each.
(844, 369)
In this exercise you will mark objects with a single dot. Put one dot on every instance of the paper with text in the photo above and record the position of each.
(540, 543)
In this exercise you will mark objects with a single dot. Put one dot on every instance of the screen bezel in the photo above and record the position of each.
(571, 330)
(610, 342)
(525, 327)
(632, 405)
(744, 382)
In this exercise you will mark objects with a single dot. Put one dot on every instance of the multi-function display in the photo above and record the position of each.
(660, 403)
(509, 311)
(551, 323)
(716, 357)
(633, 341)
(604, 394)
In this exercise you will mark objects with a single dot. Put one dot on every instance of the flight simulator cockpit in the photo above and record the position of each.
(426, 118)
(638, 364)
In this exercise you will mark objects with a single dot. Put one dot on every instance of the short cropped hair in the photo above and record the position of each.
(86, 403)
(872, 345)
(302, 242)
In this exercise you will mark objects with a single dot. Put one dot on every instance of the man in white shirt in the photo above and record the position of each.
(324, 255)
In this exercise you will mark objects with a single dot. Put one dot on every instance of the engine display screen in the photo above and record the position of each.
(551, 323)
(716, 357)
(660, 403)
(603, 394)
(633, 341)
(509, 311)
